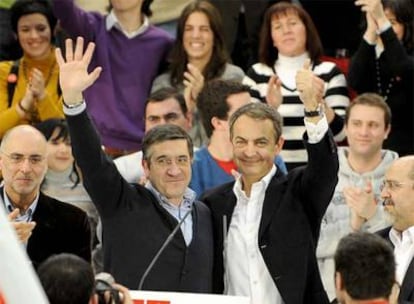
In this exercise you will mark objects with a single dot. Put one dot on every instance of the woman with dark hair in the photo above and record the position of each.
(199, 55)
(63, 180)
(384, 64)
(288, 39)
(29, 90)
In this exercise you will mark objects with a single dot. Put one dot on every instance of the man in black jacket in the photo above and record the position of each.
(45, 225)
(266, 224)
(137, 220)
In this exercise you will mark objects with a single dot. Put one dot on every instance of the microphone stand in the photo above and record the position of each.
(166, 242)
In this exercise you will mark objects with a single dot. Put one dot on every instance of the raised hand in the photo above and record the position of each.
(310, 87)
(73, 74)
(274, 96)
(23, 229)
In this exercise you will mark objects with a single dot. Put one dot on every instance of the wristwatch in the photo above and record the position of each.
(317, 112)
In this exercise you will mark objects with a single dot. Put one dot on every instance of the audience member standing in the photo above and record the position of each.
(384, 63)
(45, 225)
(29, 90)
(356, 205)
(199, 54)
(266, 224)
(288, 38)
(130, 52)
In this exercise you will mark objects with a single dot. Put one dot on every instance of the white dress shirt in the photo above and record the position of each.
(246, 273)
(403, 250)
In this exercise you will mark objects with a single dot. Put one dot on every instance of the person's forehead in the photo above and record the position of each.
(174, 147)
(262, 127)
(365, 112)
(160, 108)
(399, 170)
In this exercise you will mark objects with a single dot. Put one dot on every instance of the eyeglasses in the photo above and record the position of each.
(165, 162)
(17, 158)
(393, 185)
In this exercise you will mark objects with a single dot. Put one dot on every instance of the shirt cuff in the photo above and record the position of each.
(75, 110)
(384, 27)
(316, 131)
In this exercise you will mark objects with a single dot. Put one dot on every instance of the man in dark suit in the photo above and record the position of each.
(136, 219)
(46, 226)
(266, 224)
(398, 194)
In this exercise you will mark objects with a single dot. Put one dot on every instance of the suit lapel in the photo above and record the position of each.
(271, 201)
(407, 287)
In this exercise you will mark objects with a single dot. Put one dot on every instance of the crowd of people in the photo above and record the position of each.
(222, 148)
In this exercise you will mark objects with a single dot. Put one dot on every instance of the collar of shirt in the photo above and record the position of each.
(112, 21)
(189, 197)
(397, 238)
(263, 183)
(27, 216)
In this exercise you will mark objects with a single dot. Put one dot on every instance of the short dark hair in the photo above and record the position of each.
(163, 133)
(372, 100)
(67, 279)
(215, 67)
(404, 13)
(26, 7)
(166, 93)
(268, 53)
(145, 8)
(259, 111)
(366, 264)
(212, 100)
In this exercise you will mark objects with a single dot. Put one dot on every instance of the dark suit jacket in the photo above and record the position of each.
(60, 228)
(135, 225)
(407, 288)
(292, 211)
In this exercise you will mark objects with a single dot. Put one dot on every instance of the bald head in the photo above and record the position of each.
(23, 153)
(405, 165)
(23, 132)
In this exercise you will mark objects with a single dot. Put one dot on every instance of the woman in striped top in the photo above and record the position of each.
(288, 38)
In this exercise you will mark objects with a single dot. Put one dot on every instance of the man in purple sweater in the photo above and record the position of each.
(131, 53)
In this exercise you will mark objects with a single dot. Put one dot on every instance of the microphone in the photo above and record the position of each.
(166, 242)
(105, 291)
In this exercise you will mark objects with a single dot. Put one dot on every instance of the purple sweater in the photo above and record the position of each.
(116, 100)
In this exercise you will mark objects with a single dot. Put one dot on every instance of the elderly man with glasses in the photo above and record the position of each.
(397, 192)
(44, 225)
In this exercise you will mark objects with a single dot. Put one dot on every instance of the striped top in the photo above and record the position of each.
(292, 109)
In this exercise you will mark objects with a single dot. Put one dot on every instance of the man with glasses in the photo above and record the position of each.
(44, 225)
(137, 220)
(398, 200)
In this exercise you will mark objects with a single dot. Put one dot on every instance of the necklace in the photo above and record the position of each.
(379, 84)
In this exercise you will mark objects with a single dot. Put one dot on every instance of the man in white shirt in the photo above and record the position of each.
(273, 219)
(398, 194)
